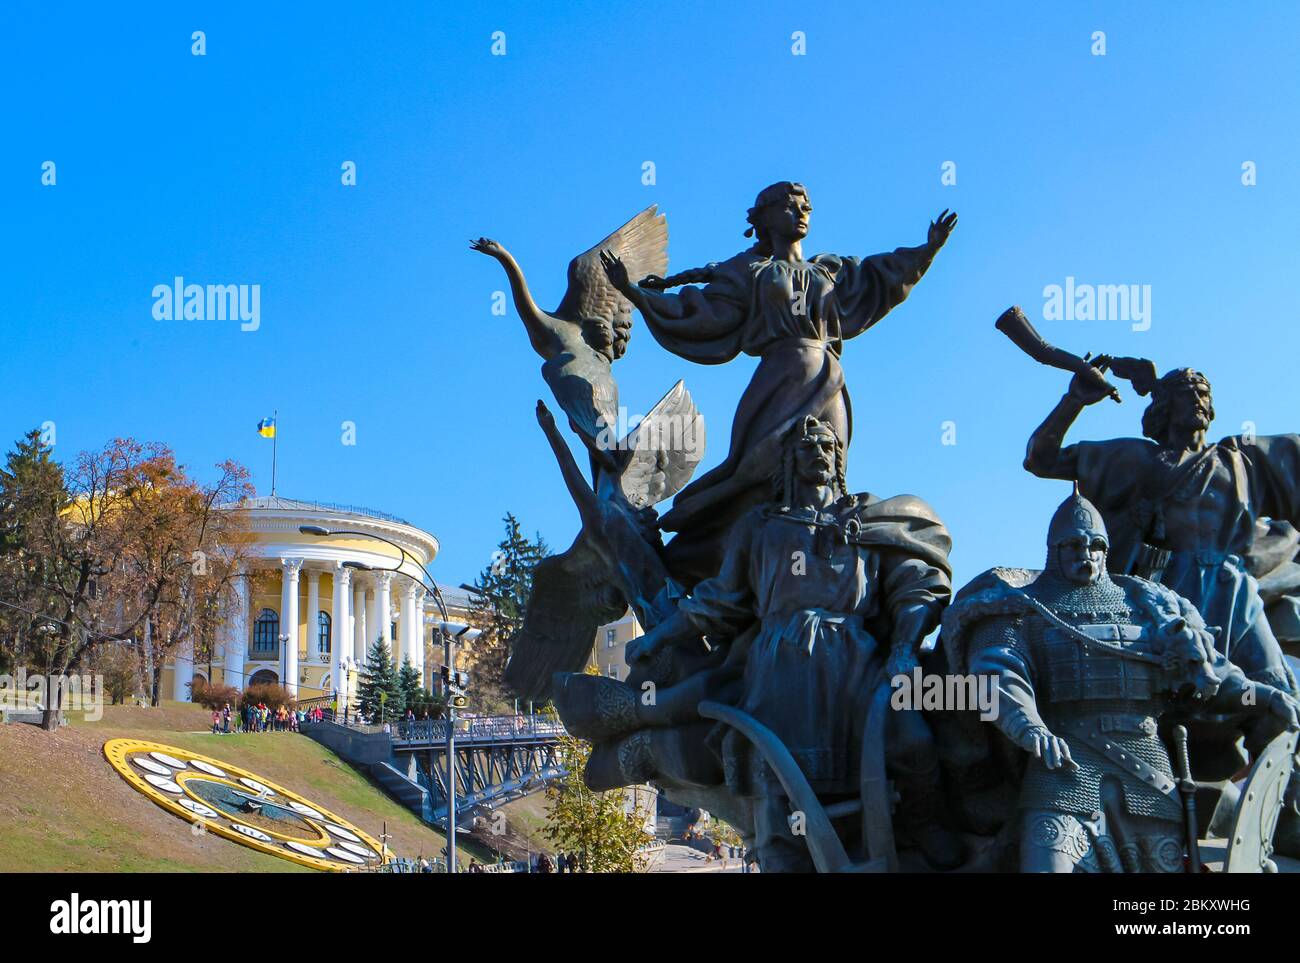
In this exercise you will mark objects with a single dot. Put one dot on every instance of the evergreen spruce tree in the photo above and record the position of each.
(497, 609)
(33, 495)
(32, 491)
(380, 692)
(413, 694)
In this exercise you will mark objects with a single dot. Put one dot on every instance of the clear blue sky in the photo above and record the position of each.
(1122, 169)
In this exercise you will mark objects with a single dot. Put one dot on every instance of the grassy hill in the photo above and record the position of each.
(63, 807)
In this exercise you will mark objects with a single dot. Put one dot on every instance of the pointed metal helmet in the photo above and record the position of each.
(1076, 516)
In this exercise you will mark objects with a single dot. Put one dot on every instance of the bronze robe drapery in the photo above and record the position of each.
(822, 605)
(795, 317)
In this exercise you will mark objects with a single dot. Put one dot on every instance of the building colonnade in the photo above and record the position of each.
(323, 627)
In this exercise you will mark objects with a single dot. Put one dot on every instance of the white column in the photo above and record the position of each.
(359, 622)
(385, 603)
(236, 644)
(407, 623)
(372, 618)
(183, 671)
(313, 615)
(341, 642)
(289, 622)
(417, 630)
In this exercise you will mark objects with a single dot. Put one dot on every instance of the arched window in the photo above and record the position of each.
(266, 632)
(323, 633)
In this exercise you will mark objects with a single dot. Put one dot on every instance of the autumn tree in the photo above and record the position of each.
(121, 539)
(184, 549)
(604, 829)
(62, 559)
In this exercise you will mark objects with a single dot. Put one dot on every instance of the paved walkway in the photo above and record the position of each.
(683, 859)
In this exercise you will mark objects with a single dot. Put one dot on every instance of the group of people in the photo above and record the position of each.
(540, 863)
(262, 718)
(562, 863)
(221, 719)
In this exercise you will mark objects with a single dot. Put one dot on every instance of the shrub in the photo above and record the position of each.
(213, 696)
(267, 692)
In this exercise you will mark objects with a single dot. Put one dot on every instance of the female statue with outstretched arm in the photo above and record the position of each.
(795, 315)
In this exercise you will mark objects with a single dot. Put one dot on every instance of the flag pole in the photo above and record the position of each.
(275, 442)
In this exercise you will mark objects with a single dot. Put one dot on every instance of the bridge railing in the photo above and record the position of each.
(479, 729)
(402, 864)
(471, 729)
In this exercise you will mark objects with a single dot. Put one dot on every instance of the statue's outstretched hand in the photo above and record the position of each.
(486, 245)
(940, 228)
(1053, 750)
(615, 270)
(1090, 386)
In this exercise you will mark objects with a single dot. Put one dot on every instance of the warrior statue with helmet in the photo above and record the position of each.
(1088, 665)
(1213, 521)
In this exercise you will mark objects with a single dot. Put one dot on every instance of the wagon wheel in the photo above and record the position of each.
(1250, 845)
(823, 842)
(877, 795)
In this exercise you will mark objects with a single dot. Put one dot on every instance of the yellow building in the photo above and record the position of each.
(610, 652)
(610, 657)
(308, 607)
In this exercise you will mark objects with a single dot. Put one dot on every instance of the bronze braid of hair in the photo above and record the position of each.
(768, 196)
(700, 275)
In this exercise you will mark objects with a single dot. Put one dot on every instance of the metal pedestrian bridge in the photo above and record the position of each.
(497, 758)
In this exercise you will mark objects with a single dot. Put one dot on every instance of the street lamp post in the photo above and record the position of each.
(431, 586)
(284, 659)
(322, 532)
(452, 632)
(449, 663)
(347, 667)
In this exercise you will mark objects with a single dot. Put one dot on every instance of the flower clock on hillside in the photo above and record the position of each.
(221, 798)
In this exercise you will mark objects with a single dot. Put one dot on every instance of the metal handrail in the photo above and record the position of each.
(485, 727)
(474, 728)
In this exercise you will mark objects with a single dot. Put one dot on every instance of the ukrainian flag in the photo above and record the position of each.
(266, 427)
